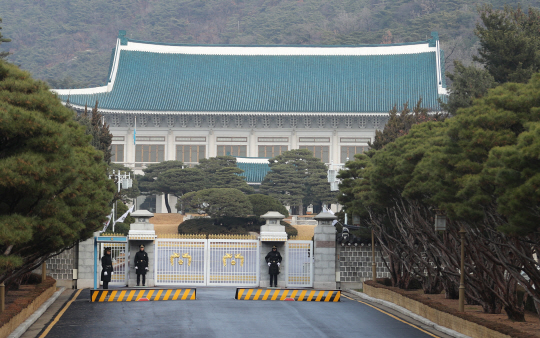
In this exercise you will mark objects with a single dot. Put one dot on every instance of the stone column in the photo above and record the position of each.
(324, 276)
(86, 264)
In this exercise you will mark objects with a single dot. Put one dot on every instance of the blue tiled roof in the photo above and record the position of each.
(254, 172)
(148, 81)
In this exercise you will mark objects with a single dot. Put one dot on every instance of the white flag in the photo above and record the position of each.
(123, 217)
(108, 221)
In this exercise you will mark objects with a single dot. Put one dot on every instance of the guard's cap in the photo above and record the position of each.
(141, 246)
(107, 249)
(274, 247)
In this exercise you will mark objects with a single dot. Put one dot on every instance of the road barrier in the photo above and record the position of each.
(140, 295)
(300, 295)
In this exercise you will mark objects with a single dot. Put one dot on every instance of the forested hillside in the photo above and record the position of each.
(68, 42)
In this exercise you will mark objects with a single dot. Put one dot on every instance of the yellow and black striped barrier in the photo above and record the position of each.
(139, 295)
(300, 295)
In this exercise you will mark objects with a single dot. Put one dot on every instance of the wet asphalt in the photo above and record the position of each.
(216, 313)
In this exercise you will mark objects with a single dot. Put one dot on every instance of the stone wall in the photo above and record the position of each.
(355, 264)
(61, 267)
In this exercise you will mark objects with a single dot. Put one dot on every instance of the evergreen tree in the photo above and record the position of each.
(400, 123)
(230, 177)
(147, 183)
(213, 164)
(99, 130)
(54, 189)
(509, 43)
(178, 182)
(298, 178)
(3, 55)
(468, 83)
(217, 202)
(264, 203)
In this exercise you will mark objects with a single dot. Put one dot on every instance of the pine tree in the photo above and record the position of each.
(3, 55)
(54, 189)
(509, 43)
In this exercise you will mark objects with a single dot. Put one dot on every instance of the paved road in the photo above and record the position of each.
(216, 314)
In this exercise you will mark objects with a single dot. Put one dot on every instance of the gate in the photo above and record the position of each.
(180, 261)
(299, 263)
(213, 262)
(233, 262)
(119, 256)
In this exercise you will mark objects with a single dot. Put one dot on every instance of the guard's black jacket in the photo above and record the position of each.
(106, 265)
(273, 257)
(141, 262)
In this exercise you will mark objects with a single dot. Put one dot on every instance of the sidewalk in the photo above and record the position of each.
(35, 329)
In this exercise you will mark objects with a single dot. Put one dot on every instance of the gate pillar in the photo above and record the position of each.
(141, 232)
(324, 276)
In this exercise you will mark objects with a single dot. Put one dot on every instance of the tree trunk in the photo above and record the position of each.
(167, 203)
(515, 313)
(451, 290)
(301, 209)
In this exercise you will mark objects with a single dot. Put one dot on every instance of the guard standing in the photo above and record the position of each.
(106, 268)
(273, 258)
(141, 265)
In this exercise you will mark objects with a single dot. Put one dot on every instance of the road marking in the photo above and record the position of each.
(391, 315)
(48, 329)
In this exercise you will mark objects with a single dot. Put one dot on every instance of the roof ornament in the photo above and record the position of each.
(122, 37)
(434, 39)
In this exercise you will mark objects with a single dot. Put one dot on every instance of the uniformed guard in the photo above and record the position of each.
(273, 258)
(141, 265)
(106, 268)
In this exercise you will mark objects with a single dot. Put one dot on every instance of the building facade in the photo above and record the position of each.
(187, 102)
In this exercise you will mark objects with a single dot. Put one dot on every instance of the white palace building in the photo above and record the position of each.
(187, 102)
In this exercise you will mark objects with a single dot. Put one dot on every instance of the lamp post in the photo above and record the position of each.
(462, 271)
(373, 264)
(440, 225)
(123, 181)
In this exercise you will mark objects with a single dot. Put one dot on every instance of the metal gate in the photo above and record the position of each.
(214, 262)
(299, 263)
(119, 256)
(180, 261)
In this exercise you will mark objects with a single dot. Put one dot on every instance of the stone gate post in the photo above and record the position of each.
(324, 276)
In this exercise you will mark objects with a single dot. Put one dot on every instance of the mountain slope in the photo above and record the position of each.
(68, 42)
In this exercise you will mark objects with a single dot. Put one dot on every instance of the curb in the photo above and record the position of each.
(408, 313)
(21, 329)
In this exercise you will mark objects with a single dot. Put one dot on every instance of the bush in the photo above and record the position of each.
(228, 226)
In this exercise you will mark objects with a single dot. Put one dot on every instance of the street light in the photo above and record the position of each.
(440, 225)
(373, 264)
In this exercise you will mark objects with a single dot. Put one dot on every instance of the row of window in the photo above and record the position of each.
(147, 153)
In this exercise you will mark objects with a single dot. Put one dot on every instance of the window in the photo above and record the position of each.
(232, 150)
(117, 151)
(190, 153)
(320, 152)
(314, 139)
(149, 153)
(231, 139)
(350, 151)
(271, 151)
(273, 139)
